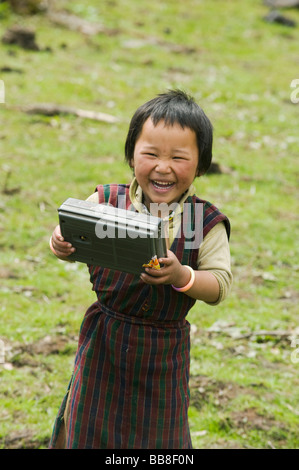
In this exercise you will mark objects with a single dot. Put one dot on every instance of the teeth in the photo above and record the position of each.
(163, 183)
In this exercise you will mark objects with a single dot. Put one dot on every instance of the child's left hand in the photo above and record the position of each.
(173, 272)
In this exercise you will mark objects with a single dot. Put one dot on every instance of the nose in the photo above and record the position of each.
(163, 166)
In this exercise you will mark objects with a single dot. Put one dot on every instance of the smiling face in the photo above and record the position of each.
(165, 161)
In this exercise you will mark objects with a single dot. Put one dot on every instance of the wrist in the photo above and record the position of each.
(182, 277)
(188, 280)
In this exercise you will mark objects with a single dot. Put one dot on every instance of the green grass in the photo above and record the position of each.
(244, 392)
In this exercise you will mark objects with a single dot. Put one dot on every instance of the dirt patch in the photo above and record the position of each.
(22, 37)
(7, 273)
(23, 439)
(223, 444)
(21, 355)
(204, 389)
(252, 419)
(49, 345)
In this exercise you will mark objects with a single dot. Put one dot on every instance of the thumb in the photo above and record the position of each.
(57, 233)
(167, 261)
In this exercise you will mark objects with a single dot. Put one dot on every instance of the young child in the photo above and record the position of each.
(129, 388)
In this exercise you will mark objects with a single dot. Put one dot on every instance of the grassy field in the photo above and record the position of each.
(245, 358)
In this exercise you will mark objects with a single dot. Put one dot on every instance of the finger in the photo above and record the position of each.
(58, 240)
(57, 233)
(151, 279)
(165, 261)
(169, 259)
(155, 272)
(63, 247)
(60, 245)
(63, 253)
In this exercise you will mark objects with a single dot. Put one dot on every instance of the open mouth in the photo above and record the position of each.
(162, 185)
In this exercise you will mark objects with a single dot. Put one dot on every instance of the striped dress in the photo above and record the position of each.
(129, 388)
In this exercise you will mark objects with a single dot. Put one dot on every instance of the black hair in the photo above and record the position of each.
(174, 106)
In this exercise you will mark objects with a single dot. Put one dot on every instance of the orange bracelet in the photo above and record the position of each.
(190, 283)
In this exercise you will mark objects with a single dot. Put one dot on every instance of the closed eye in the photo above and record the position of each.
(150, 154)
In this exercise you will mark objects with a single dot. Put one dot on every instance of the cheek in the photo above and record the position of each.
(186, 175)
(142, 167)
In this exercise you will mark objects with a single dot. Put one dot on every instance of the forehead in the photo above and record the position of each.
(163, 132)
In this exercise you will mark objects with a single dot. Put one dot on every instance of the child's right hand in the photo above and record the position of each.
(62, 248)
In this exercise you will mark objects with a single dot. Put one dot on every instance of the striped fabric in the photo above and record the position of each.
(129, 388)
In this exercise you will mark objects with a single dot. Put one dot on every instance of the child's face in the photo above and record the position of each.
(165, 161)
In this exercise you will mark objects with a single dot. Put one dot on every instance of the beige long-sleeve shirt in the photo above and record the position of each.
(213, 254)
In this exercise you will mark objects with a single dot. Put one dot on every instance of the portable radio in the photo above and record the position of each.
(111, 237)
